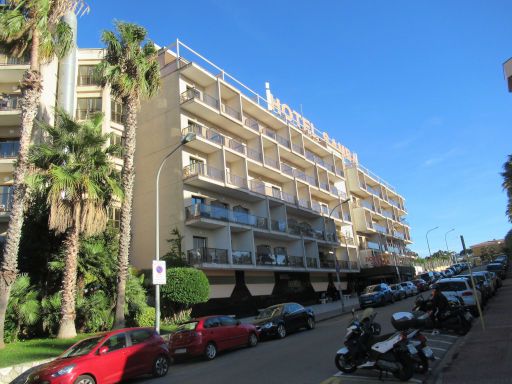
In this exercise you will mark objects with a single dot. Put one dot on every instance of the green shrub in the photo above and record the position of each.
(23, 309)
(145, 317)
(94, 313)
(185, 287)
(50, 313)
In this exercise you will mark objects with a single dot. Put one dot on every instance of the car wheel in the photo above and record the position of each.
(253, 340)
(310, 323)
(85, 379)
(281, 331)
(210, 352)
(160, 366)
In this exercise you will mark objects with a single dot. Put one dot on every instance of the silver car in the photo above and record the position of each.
(409, 287)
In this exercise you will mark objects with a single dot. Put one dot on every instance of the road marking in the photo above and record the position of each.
(443, 335)
(439, 349)
(368, 379)
(441, 341)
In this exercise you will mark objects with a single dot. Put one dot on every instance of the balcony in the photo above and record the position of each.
(254, 155)
(241, 257)
(380, 228)
(297, 148)
(347, 240)
(230, 111)
(287, 169)
(205, 106)
(271, 162)
(195, 212)
(192, 93)
(9, 149)
(283, 141)
(296, 261)
(252, 123)
(86, 114)
(278, 225)
(12, 68)
(311, 262)
(205, 133)
(274, 259)
(236, 180)
(261, 188)
(201, 169)
(10, 102)
(201, 256)
(237, 146)
(339, 172)
(6, 203)
(270, 133)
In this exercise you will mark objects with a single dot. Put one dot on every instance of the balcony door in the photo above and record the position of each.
(200, 246)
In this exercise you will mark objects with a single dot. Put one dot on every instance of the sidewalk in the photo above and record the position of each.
(485, 356)
(326, 311)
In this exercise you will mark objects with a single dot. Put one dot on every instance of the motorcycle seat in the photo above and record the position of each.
(379, 338)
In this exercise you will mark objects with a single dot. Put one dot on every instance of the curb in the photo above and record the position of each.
(436, 375)
(333, 314)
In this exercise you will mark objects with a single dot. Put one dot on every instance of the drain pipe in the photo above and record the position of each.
(66, 85)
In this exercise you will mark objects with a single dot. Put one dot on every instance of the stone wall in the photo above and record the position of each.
(18, 372)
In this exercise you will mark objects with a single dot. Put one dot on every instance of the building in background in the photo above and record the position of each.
(268, 206)
(488, 249)
(89, 98)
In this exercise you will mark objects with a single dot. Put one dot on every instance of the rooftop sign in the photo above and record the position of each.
(296, 119)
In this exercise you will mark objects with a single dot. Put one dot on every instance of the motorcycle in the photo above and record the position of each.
(365, 349)
(415, 337)
(456, 318)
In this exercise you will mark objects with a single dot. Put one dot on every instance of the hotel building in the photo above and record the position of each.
(269, 207)
(87, 98)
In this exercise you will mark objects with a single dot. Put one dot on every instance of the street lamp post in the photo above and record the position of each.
(446, 242)
(185, 139)
(336, 260)
(428, 244)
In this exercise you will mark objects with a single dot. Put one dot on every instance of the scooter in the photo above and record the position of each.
(456, 318)
(363, 349)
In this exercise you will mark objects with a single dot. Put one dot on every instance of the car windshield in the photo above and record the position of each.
(452, 286)
(494, 267)
(82, 348)
(372, 288)
(269, 312)
(190, 326)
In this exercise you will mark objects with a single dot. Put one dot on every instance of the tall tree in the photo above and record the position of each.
(73, 169)
(131, 70)
(507, 185)
(35, 28)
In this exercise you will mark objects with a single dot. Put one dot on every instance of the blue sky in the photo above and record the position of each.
(416, 88)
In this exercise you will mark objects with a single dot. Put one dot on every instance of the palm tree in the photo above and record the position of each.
(31, 27)
(72, 168)
(131, 69)
(507, 184)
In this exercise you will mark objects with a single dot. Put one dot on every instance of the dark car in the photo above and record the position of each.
(398, 291)
(281, 319)
(378, 294)
(108, 358)
(503, 259)
(498, 268)
(206, 336)
(482, 286)
(421, 284)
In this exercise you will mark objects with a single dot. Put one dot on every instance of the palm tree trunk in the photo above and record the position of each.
(128, 177)
(31, 86)
(67, 327)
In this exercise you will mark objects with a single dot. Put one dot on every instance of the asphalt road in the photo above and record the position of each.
(304, 357)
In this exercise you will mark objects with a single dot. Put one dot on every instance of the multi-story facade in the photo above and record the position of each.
(261, 200)
(89, 98)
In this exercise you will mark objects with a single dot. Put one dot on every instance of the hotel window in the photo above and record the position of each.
(116, 111)
(87, 106)
(114, 216)
(117, 139)
(86, 75)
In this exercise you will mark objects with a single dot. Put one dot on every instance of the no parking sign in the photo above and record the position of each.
(159, 275)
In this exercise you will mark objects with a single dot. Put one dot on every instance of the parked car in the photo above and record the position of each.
(482, 285)
(378, 294)
(497, 279)
(437, 276)
(448, 272)
(427, 276)
(460, 287)
(420, 284)
(502, 259)
(209, 335)
(398, 291)
(107, 358)
(279, 320)
(410, 288)
(488, 279)
(499, 268)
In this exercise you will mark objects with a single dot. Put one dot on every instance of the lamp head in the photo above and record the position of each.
(188, 138)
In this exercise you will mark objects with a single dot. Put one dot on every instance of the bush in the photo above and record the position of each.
(94, 313)
(145, 317)
(23, 309)
(51, 313)
(185, 287)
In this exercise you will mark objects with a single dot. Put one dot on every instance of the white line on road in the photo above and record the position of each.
(440, 341)
(439, 349)
(443, 335)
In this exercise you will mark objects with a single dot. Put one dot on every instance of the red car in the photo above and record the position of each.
(107, 358)
(209, 335)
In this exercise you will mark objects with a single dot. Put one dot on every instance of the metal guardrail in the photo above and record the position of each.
(201, 169)
(200, 256)
(9, 149)
(208, 211)
(10, 102)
